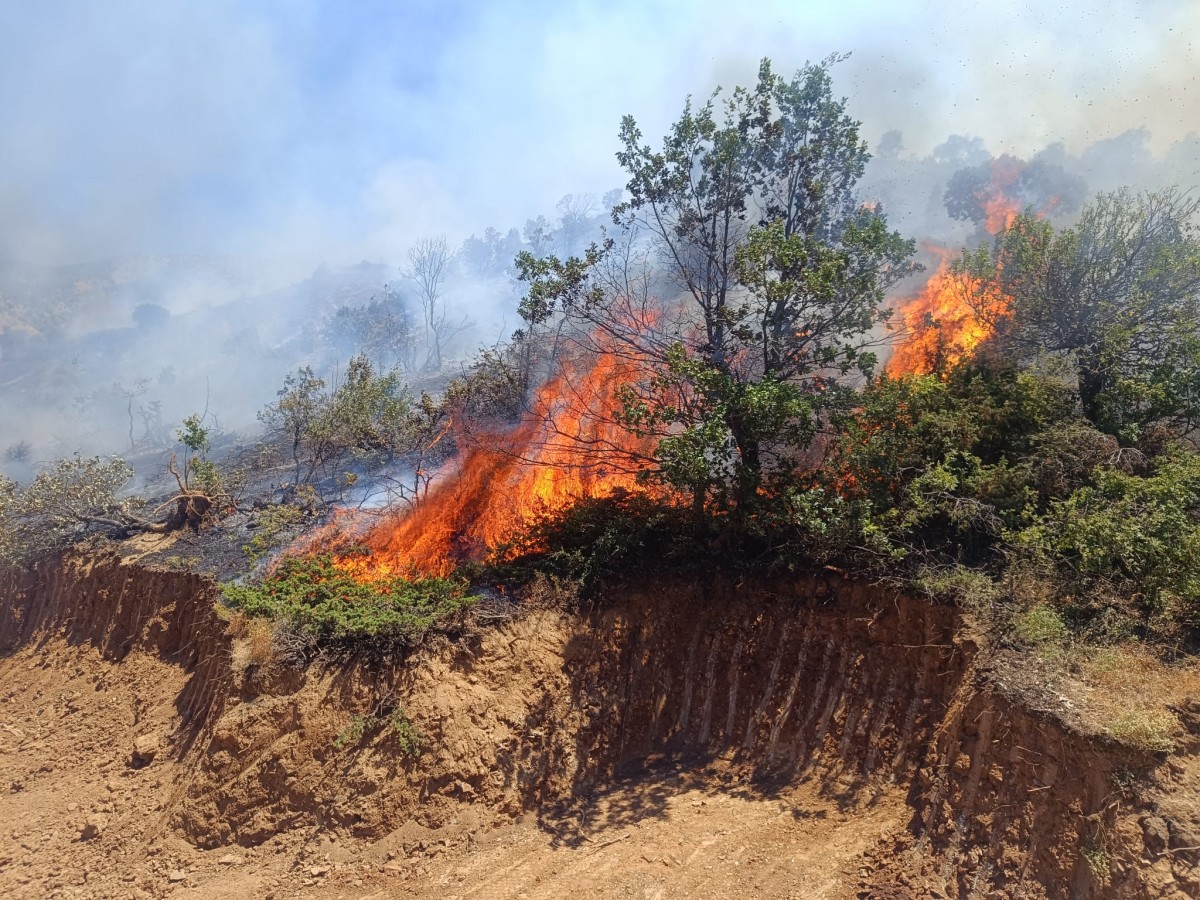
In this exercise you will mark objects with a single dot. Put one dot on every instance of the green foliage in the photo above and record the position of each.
(1139, 534)
(368, 412)
(811, 300)
(692, 391)
(1040, 625)
(1094, 850)
(354, 730)
(966, 500)
(11, 550)
(750, 201)
(194, 436)
(495, 386)
(947, 467)
(327, 606)
(806, 526)
(200, 473)
(205, 476)
(180, 563)
(899, 427)
(1118, 294)
(368, 418)
(556, 285)
(991, 469)
(410, 740)
(629, 535)
(1152, 731)
(64, 502)
(969, 588)
(298, 417)
(599, 540)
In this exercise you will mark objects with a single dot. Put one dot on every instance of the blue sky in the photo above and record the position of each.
(312, 130)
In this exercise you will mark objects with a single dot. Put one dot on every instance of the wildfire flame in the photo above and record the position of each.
(568, 446)
(571, 446)
(995, 199)
(940, 325)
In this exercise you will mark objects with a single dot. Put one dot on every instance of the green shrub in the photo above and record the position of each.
(1129, 536)
(599, 539)
(1094, 849)
(1040, 625)
(354, 731)
(410, 740)
(315, 598)
(971, 589)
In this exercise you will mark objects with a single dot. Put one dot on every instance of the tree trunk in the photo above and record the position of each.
(699, 495)
(1092, 382)
(749, 476)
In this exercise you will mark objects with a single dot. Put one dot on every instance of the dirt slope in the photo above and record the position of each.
(815, 739)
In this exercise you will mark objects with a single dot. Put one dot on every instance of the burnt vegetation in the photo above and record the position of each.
(738, 304)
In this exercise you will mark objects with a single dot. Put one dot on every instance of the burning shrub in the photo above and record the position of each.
(323, 603)
(600, 539)
(992, 191)
(496, 386)
(751, 205)
(1115, 295)
(630, 535)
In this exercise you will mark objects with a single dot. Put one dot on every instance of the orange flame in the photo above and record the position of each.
(568, 447)
(999, 207)
(940, 325)
(999, 212)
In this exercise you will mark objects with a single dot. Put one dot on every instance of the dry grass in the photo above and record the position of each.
(253, 641)
(550, 592)
(1128, 694)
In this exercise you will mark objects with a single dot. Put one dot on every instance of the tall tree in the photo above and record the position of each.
(770, 283)
(428, 267)
(576, 214)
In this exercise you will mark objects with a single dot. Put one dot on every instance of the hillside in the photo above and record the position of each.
(813, 738)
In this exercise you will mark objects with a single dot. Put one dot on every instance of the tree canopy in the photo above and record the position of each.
(745, 274)
(1116, 297)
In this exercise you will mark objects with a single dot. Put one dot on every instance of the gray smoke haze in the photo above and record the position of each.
(209, 158)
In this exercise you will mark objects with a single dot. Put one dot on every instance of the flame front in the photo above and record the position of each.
(940, 323)
(940, 326)
(569, 446)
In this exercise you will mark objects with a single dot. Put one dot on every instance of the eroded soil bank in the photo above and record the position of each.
(809, 739)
